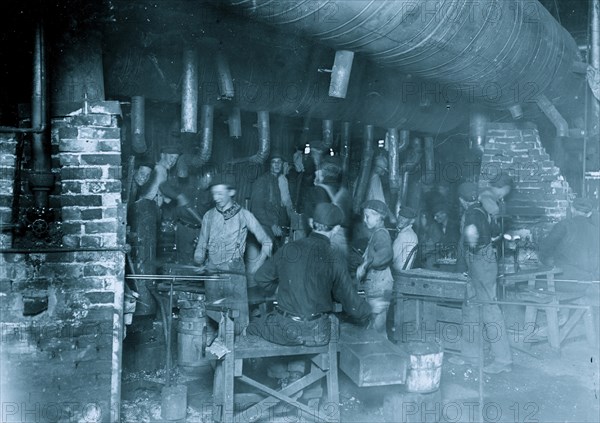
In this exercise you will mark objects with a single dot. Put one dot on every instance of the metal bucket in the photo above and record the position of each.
(425, 368)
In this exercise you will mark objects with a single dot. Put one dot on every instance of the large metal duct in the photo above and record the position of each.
(282, 78)
(499, 52)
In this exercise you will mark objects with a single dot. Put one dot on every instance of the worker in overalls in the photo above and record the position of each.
(221, 247)
(377, 258)
(482, 267)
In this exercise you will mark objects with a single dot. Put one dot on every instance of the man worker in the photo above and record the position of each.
(169, 154)
(221, 247)
(270, 200)
(307, 277)
(406, 241)
(482, 268)
(572, 245)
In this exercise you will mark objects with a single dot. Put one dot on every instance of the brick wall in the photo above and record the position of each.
(8, 145)
(62, 364)
(541, 194)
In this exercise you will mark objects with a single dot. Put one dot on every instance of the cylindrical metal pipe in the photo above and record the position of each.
(365, 168)
(41, 178)
(404, 140)
(404, 193)
(206, 140)
(345, 151)
(562, 127)
(516, 111)
(189, 91)
(429, 176)
(181, 167)
(340, 74)
(327, 134)
(472, 47)
(264, 136)
(224, 77)
(138, 124)
(477, 130)
(393, 159)
(234, 122)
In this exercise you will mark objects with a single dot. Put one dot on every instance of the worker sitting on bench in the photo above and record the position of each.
(309, 277)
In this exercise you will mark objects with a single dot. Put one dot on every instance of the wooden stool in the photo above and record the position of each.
(230, 367)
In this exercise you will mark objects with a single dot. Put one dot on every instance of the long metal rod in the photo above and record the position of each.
(60, 250)
(8, 129)
(170, 277)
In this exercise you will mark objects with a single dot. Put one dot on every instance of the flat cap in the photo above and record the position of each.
(227, 179)
(468, 191)
(407, 212)
(379, 206)
(584, 205)
(328, 214)
(170, 149)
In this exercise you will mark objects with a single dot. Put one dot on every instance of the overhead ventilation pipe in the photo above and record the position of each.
(327, 135)
(189, 92)
(559, 122)
(138, 124)
(429, 176)
(264, 140)
(340, 74)
(206, 136)
(475, 48)
(410, 166)
(393, 159)
(365, 168)
(41, 178)
(345, 151)
(234, 122)
(477, 130)
(224, 77)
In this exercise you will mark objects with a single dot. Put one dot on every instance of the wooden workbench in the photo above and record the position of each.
(428, 304)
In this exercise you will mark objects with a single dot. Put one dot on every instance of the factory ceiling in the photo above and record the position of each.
(143, 42)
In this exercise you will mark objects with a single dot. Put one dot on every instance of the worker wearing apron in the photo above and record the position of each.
(377, 258)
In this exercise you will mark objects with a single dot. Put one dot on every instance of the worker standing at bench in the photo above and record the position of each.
(309, 276)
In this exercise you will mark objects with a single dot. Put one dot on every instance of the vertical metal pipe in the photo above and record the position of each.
(138, 124)
(345, 151)
(365, 168)
(234, 122)
(429, 161)
(41, 178)
(562, 127)
(224, 78)
(340, 74)
(327, 134)
(206, 139)
(393, 159)
(189, 92)
(404, 140)
(477, 128)
(264, 136)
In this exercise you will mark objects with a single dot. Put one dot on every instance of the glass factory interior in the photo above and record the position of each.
(312, 210)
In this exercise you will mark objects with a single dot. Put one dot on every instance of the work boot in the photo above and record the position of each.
(496, 368)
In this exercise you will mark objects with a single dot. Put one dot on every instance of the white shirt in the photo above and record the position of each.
(403, 245)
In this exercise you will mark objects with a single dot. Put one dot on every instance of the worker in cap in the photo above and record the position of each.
(270, 201)
(169, 154)
(375, 270)
(306, 278)
(221, 247)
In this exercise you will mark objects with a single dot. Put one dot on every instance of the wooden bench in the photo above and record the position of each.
(230, 368)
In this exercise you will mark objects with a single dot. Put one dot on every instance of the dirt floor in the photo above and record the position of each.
(545, 386)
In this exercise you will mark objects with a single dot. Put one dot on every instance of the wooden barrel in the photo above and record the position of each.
(425, 368)
(192, 334)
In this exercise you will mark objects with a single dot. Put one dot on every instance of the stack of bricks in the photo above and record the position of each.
(540, 193)
(8, 145)
(59, 365)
